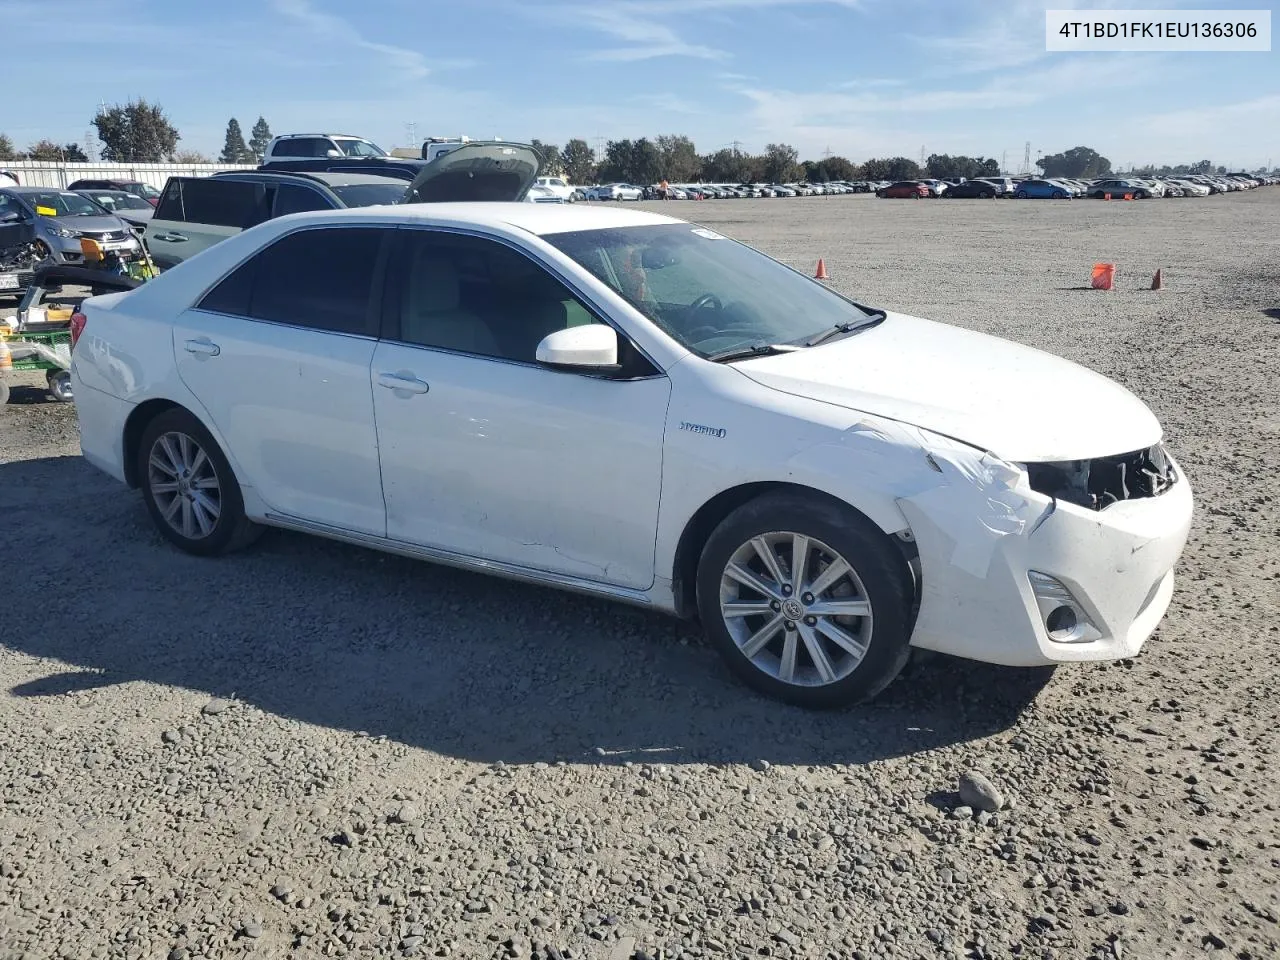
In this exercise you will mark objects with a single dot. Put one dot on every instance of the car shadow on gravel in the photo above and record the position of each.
(449, 661)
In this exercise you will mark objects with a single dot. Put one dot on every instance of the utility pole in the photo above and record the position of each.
(411, 129)
(922, 156)
(1004, 163)
(737, 147)
(1026, 158)
(826, 154)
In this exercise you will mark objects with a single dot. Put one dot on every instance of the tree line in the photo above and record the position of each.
(675, 158)
(140, 132)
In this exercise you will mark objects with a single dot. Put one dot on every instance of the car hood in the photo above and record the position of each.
(481, 170)
(90, 224)
(137, 215)
(1017, 402)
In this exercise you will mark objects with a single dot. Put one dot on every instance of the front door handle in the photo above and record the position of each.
(202, 347)
(403, 381)
(170, 237)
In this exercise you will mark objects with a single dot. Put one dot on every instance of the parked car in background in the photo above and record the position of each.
(618, 191)
(936, 187)
(1041, 190)
(972, 189)
(309, 146)
(1191, 189)
(923, 485)
(904, 189)
(559, 186)
(540, 194)
(197, 212)
(60, 218)
(1004, 185)
(137, 187)
(1118, 188)
(130, 208)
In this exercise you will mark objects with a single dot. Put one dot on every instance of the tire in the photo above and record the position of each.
(177, 437)
(59, 382)
(859, 661)
(1060, 195)
(880, 194)
(1020, 195)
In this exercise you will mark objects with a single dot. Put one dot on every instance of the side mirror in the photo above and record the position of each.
(333, 154)
(11, 217)
(590, 346)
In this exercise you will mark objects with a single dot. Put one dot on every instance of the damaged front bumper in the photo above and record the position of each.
(1017, 577)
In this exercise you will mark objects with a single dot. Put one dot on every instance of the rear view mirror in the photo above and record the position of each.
(589, 346)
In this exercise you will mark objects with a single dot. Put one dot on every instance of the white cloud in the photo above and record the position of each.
(406, 64)
(644, 25)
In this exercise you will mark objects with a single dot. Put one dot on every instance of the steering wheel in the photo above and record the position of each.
(706, 300)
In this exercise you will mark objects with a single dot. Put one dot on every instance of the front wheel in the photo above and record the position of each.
(1020, 195)
(189, 487)
(807, 601)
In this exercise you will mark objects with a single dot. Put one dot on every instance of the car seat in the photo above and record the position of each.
(432, 314)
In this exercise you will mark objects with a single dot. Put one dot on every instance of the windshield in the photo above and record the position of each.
(710, 293)
(63, 205)
(145, 190)
(119, 201)
(360, 148)
(370, 194)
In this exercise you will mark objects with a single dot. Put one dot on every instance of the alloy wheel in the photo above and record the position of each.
(184, 484)
(796, 609)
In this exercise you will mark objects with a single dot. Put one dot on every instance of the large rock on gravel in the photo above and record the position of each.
(977, 791)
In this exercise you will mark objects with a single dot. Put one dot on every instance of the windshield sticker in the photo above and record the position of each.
(47, 211)
(707, 234)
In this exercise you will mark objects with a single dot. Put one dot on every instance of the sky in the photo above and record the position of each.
(861, 78)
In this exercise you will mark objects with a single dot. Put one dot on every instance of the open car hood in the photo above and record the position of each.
(481, 170)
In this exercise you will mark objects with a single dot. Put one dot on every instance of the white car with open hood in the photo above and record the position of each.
(629, 405)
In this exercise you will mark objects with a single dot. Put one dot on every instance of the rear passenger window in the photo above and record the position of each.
(291, 198)
(223, 203)
(319, 278)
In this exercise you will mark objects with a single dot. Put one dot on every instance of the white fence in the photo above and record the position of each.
(52, 173)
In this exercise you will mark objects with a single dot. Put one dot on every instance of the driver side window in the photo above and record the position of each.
(474, 295)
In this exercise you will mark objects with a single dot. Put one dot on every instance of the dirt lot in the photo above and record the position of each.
(313, 750)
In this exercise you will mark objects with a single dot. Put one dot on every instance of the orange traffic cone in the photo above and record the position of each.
(1157, 282)
(821, 273)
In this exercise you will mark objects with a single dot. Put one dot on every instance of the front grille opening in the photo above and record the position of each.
(1102, 481)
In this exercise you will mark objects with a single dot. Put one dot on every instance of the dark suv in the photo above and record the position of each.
(197, 212)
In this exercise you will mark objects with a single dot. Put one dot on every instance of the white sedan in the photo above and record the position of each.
(632, 406)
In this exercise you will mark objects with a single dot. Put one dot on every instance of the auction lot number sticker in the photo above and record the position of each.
(1133, 31)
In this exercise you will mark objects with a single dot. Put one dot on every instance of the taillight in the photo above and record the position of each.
(78, 320)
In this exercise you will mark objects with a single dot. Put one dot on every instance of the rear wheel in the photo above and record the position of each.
(189, 488)
(806, 600)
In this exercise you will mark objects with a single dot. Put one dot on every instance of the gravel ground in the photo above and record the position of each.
(314, 750)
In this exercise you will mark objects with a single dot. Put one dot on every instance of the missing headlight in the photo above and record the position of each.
(1102, 481)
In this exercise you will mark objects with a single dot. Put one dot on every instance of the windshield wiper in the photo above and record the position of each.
(849, 326)
(751, 350)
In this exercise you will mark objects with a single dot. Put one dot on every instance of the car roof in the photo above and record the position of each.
(24, 190)
(540, 219)
(328, 178)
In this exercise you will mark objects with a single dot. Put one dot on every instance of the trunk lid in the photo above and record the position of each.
(477, 171)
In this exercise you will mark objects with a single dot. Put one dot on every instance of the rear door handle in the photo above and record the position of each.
(170, 237)
(403, 381)
(202, 347)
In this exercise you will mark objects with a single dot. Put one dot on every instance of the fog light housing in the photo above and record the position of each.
(1064, 619)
